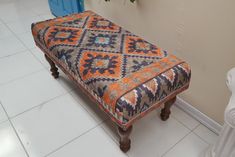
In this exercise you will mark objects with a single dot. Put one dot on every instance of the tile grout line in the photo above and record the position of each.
(15, 130)
(37, 57)
(41, 104)
(10, 118)
(191, 131)
(200, 136)
(19, 52)
(90, 114)
(28, 49)
(109, 135)
(176, 143)
(108, 132)
(21, 77)
(77, 101)
(67, 93)
(185, 124)
(70, 141)
(100, 124)
(25, 46)
(44, 67)
(16, 35)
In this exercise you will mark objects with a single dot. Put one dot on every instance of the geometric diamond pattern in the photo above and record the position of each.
(101, 41)
(126, 74)
(58, 35)
(93, 65)
(76, 23)
(101, 24)
(134, 45)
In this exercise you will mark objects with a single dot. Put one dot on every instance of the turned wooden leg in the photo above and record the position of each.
(165, 112)
(125, 142)
(54, 69)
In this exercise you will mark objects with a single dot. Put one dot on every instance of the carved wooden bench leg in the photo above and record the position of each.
(125, 142)
(165, 112)
(54, 69)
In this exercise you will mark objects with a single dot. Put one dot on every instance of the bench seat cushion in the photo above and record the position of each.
(125, 74)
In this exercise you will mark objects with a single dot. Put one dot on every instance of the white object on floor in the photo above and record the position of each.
(224, 147)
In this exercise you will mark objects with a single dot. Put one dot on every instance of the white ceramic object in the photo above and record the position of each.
(224, 147)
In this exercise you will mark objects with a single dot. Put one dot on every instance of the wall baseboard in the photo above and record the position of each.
(198, 115)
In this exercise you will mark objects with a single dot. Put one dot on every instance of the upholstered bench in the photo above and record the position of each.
(125, 75)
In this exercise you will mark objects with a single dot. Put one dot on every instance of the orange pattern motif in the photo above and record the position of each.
(98, 65)
(134, 45)
(125, 74)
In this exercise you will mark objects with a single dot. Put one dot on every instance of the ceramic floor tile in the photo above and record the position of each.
(89, 105)
(207, 135)
(25, 93)
(51, 125)
(47, 16)
(65, 81)
(23, 26)
(151, 136)
(190, 146)
(3, 116)
(94, 143)
(184, 118)
(4, 31)
(111, 129)
(41, 8)
(10, 45)
(18, 65)
(9, 143)
(40, 56)
(14, 4)
(12, 12)
(31, 3)
(27, 39)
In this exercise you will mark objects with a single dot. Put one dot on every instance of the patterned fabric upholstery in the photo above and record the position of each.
(125, 74)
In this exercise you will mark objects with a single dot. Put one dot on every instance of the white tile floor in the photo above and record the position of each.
(41, 116)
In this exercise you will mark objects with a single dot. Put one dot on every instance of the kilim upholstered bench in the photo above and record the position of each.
(124, 74)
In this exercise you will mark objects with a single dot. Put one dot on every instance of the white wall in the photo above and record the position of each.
(200, 31)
